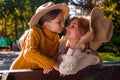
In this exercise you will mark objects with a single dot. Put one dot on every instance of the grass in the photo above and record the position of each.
(107, 56)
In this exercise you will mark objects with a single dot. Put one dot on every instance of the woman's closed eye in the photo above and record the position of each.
(72, 25)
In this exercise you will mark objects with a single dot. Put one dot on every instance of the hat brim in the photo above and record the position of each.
(95, 45)
(35, 18)
(96, 13)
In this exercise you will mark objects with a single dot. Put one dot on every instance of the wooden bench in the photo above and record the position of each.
(90, 73)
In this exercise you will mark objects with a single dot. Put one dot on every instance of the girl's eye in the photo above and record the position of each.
(59, 22)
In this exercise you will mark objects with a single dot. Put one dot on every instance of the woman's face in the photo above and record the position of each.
(57, 24)
(72, 30)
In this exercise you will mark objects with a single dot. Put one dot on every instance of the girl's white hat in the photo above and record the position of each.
(43, 9)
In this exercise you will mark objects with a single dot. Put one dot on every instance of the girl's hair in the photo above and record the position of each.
(83, 24)
(21, 41)
(49, 16)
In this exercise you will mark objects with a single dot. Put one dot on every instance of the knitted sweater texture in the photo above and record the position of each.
(39, 51)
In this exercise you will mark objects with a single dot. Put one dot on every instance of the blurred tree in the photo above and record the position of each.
(10, 16)
(112, 10)
(15, 15)
(85, 6)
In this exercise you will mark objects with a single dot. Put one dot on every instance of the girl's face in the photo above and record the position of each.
(72, 30)
(56, 25)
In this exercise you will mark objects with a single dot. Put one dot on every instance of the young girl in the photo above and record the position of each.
(40, 47)
(75, 52)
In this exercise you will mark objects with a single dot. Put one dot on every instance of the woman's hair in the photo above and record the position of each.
(49, 16)
(83, 24)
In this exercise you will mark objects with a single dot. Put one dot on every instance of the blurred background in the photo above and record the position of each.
(15, 15)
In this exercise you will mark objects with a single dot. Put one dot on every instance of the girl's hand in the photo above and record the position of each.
(56, 66)
(46, 71)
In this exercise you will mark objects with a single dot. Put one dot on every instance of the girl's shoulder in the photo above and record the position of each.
(35, 29)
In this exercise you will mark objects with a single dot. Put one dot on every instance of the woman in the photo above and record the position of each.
(79, 45)
(75, 52)
(37, 51)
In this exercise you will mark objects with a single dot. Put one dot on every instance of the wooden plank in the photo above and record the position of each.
(89, 73)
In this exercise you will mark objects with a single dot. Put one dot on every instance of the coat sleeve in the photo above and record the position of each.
(75, 60)
(33, 55)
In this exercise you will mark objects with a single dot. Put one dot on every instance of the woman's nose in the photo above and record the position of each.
(62, 24)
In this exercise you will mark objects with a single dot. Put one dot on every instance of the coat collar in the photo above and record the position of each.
(49, 34)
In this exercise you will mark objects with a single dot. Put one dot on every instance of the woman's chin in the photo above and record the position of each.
(66, 35)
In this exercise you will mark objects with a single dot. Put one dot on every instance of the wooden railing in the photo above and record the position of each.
(103, 72)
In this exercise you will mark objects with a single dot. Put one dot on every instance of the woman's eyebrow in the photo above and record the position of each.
(73, 23)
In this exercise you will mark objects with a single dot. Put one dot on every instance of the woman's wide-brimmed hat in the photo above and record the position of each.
(43, 9)
(102, 27)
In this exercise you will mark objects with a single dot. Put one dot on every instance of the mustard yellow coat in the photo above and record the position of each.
(39, 51)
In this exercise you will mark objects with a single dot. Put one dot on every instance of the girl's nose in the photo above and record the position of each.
(62, 25)
(67, 27)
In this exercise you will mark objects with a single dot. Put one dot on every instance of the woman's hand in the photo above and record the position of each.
(80, 45)
(85, 39)
(88, 36)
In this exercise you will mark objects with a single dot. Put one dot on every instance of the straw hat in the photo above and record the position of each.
(102, 27)
(43, 9)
